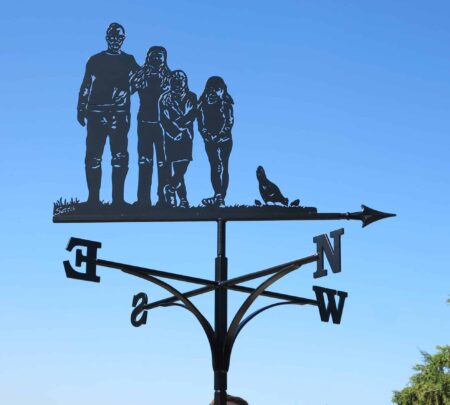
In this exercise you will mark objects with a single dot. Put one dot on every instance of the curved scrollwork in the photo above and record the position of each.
(187, 303)
(256, 313)
(235, 324)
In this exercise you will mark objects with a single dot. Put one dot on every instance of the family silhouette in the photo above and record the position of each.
(165, 130)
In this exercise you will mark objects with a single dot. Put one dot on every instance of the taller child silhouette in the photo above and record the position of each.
(215, 121)
(104, 103)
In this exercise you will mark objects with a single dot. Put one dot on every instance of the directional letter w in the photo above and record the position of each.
(333, 255)
(331, 309)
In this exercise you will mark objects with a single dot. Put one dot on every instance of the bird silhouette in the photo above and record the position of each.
(295, 203)
(269, 191)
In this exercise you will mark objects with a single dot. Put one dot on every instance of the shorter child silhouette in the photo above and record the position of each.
(177, 114)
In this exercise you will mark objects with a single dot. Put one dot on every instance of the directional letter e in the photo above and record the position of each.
(90, 259)
(333, 255)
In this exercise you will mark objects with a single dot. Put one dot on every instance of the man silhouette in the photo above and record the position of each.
(104, 104)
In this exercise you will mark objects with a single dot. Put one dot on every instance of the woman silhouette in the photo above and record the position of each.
(177, 110)
(215, 120)
(151, 81)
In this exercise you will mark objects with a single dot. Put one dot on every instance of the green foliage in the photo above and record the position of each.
(431, 384)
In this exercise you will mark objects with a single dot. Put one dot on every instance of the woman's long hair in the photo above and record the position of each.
(160, 49)
(215, 82)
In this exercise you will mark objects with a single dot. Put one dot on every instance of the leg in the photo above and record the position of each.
(224, 151)
(145, 153)
(163, 172)
(95, 143)
(169, 192)
(212, 153)
(176, 182)
(118, 131)
(218, 155)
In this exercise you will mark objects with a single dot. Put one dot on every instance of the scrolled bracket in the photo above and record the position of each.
(207, 328)
(236, 326)
(256, 313)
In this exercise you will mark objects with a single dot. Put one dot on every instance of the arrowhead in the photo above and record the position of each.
(369, 215)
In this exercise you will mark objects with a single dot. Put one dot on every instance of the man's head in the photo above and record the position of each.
(115, 35)
(234, 401)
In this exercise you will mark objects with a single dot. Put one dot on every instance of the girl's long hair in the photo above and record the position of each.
(216, 81)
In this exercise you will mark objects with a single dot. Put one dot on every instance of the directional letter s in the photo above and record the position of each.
(330, 309)
(138, 309)
(90, 259)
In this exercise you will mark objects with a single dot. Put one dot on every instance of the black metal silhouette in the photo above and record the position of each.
(167, 112)
(269, 191)
(151, 81)
(104, 106)
(221, 337)
(215, 121)
(72, 212)
(177, 113)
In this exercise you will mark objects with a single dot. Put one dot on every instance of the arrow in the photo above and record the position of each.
(233, 213)
(369, 215)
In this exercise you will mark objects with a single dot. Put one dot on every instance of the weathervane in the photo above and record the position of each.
(167, 113)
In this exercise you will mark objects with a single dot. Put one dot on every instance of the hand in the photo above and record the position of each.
(178, 137)
(81, 117)
(188, 107)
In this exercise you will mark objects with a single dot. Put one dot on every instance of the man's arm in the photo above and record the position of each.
(137, 80)
(136, 76)
(134, 65)
(83, 96)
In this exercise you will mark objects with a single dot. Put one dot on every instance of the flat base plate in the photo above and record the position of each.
(79, 212)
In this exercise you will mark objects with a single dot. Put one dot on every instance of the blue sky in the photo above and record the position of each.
(343, 103)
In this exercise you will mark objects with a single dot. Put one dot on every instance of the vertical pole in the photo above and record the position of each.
(220, 318)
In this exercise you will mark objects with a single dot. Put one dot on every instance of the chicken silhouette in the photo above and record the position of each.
(269, 191)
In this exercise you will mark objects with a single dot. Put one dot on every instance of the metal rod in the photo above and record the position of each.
(251, 276)
(239, 288)
(157, 273)
(220, 317)
(174, 299)
(271, 294)
(267, 213)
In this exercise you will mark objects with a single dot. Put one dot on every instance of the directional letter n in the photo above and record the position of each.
(331, 309)
(333, 255)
